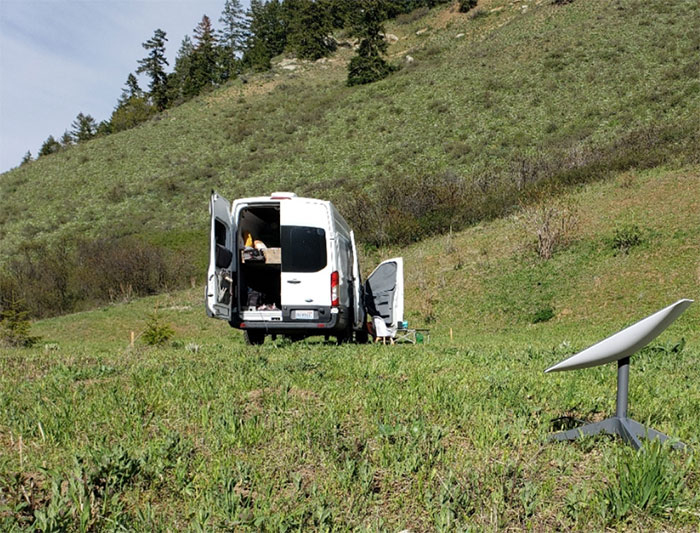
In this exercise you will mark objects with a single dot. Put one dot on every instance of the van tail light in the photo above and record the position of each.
(335, 282)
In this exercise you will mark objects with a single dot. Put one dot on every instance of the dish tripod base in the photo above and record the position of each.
(629, 430)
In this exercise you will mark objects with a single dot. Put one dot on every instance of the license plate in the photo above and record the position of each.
(304, 315)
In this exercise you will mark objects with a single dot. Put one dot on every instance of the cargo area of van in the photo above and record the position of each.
(259, 242)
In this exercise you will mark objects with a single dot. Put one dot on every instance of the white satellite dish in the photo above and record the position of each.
(619, 347)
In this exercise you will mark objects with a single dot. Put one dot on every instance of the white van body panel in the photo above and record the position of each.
(308, 288)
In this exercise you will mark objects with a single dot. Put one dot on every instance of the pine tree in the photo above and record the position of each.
(233, 37)
(50, 146)
(15, 325)
(204, 64)
(26, 159)
(153, 65)
(268, 34)
(132, 107)
(341, 11)
(180, 81)
(66, 139)
(310, 25)
(132, 89)
(368, 65)
(103, 128)
(84, 127)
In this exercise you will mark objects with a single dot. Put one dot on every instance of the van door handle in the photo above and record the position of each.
(294, 281)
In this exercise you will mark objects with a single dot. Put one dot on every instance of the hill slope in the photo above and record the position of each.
(492, 103)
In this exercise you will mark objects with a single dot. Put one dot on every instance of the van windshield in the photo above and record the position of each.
(303, 249)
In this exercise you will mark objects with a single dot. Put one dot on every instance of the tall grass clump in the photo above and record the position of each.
(646, 480)
(625, 238)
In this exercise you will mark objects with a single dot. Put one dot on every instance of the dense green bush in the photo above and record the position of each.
(466, 5)
(15, 326)
(625, 238)
(157, 332)
(367, 70)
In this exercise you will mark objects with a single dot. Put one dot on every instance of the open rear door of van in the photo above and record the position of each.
(384, 292)
(306, 257)
(221, 279)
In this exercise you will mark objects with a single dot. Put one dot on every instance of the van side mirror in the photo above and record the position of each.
(223, 256)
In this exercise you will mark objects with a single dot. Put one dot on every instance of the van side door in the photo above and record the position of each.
(221, 284)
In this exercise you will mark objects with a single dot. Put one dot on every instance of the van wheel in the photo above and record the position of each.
(254, 337)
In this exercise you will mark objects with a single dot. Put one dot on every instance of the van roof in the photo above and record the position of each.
(278, 196)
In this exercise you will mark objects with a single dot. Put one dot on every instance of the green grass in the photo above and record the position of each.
(318, 437)
(207, 433)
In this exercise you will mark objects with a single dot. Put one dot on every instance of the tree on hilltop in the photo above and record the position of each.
(50, 146)
(132, 108)
(267, 36)
(83, 127)
(153, 65)
(368, 65)
(310, 26)
(66, 139)
(180, 84)
(26, 159)
(204, 57)
(232, 37)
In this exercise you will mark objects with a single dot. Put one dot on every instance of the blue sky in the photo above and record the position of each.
(62, 57)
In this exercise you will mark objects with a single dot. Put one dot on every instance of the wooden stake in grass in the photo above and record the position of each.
(451, 337)
(132, 339)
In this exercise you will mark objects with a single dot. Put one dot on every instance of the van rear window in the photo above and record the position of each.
(303, 249)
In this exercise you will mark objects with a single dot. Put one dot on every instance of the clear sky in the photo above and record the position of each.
(62, 57)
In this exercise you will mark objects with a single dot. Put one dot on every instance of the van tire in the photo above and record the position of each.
(254, 337)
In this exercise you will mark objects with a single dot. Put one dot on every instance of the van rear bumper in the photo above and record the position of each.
(338, 322)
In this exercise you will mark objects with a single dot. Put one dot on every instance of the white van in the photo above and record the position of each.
(281, 264)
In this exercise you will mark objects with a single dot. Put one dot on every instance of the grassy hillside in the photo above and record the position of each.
(522, 93)
(207, 433)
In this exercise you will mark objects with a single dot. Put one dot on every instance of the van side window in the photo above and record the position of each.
(220, 233)
(303, 249)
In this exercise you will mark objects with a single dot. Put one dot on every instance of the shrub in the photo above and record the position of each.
(466, 5)
(554, 221)
(15, 326)
(157, 333)
(364, 70)
(543, 315)
(625, 238)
